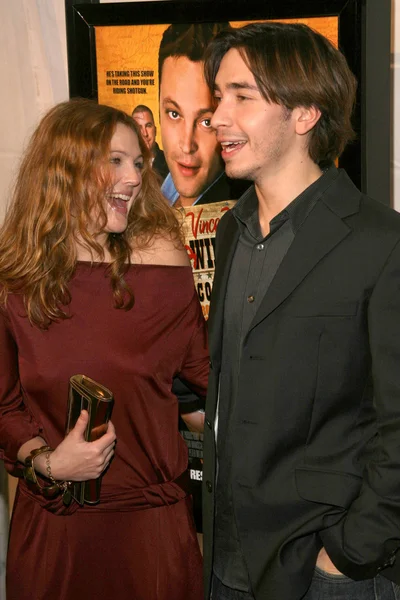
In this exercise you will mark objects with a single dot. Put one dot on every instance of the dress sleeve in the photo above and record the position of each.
(195, 365)
(17, 424)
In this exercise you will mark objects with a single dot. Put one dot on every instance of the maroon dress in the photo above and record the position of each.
(139, 542)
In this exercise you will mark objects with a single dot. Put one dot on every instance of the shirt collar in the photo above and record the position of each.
(170, 192)
(246, 209)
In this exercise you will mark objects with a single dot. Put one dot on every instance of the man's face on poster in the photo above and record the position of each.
(190, 145)
(147, 128)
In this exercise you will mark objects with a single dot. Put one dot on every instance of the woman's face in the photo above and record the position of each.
(126, 164)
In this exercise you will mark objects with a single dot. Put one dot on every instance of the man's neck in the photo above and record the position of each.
(182, 202)
(276, 191)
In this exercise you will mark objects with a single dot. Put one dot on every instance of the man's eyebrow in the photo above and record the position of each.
(169, 100)
(202, 111)
(205, 111)
(238, 85)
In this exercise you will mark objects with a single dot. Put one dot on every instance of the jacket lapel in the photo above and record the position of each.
(323, 229)
(226, 249)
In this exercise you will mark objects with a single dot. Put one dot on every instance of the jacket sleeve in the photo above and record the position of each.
(366, 540)
(17, 424)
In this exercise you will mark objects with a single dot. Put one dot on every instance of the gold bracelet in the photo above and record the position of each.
(63, 485)
(30, 473)
(48, 491)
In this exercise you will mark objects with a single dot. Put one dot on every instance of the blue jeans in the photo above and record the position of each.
(325, 586)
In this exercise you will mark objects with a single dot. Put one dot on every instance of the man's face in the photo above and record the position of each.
(147, 127)
(190, 145)
(258, 138)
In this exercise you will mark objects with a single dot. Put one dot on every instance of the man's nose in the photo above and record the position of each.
(187, 138)
(222, 116)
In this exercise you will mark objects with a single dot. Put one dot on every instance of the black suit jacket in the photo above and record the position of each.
(317, 421)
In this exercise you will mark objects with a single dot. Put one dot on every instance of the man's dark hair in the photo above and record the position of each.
(142, 108)
(293, 66)
(189, 40)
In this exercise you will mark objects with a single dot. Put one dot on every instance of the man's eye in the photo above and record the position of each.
(217, 99)
(173, 114)
(206, 123)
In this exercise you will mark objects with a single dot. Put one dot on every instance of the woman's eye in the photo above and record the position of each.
(139, 166)
(115, 160)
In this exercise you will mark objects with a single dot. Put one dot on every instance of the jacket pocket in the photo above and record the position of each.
(340, 308)
(327, 487)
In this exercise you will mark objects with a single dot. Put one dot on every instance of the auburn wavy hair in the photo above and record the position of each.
(62, 182)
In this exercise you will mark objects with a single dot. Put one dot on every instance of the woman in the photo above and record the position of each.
(94, 280)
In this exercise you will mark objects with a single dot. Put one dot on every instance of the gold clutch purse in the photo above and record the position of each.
(84, 393)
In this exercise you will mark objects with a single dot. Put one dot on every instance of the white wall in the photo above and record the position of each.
(33, 75)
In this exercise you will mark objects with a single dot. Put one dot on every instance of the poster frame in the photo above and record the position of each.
(364, 28)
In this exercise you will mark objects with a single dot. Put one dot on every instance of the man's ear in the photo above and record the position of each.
(306, 118)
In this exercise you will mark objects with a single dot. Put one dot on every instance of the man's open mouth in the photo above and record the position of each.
(228, 147)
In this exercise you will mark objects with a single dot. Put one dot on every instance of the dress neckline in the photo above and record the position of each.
(88, 263)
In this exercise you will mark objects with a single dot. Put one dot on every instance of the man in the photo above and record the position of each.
(145, 119)
(193, 155)
(186, 106)
(302, 439)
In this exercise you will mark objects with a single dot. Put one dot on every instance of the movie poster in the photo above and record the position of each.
(138, 69)
(127, 61)
(127, 74)
(200, 225)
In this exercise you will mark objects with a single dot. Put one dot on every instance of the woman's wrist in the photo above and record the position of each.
(34, 464)
(29, 446)
(40, 464)
(40, 460)
(43, 461)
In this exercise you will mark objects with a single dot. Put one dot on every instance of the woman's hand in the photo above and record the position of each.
(74, 459)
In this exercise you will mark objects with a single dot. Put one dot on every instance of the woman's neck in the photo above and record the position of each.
(87, 254)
